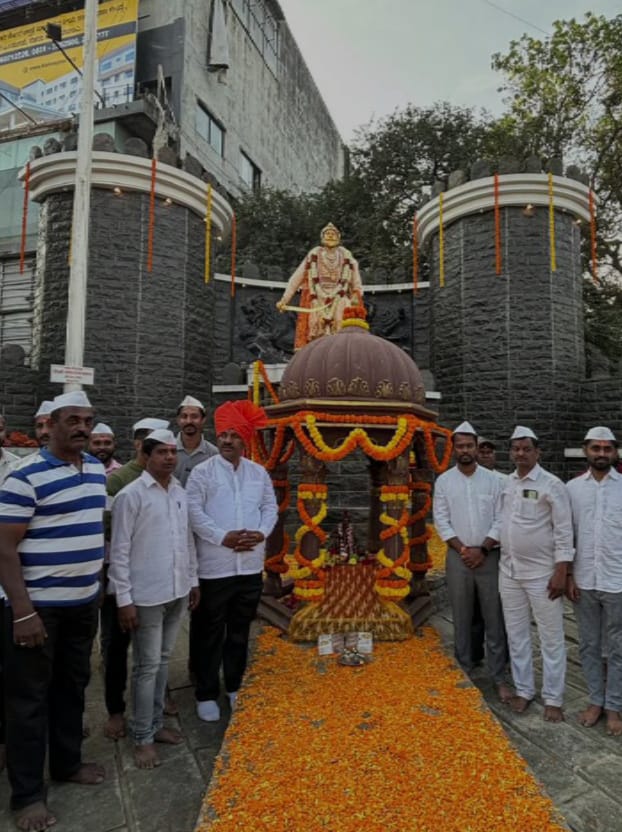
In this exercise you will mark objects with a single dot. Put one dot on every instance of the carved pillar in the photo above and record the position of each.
(420, 475)
(390, 472)
(313, 472)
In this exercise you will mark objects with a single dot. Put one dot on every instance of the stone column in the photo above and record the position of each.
(508, 348)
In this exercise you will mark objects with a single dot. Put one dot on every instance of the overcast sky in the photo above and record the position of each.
(370, 56)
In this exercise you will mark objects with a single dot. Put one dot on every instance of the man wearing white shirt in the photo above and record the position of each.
(536, 549)
(465, 500)
(233, 510)
(595, 583)
(153, 575)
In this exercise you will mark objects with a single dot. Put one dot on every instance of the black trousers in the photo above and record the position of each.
(45, 699)
(222, 624)
(114, 646)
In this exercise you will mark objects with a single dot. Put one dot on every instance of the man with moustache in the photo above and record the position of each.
(102, 446)
(42, 423)
(536, 551)
(594, 582)
(232, 511)
(51, 553)
(192, 447)
(465, 500)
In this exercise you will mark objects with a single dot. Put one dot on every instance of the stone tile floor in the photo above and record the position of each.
(580, 768)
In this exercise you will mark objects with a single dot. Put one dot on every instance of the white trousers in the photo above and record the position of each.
(520, 599)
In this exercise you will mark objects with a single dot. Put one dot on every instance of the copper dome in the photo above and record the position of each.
(352, 364)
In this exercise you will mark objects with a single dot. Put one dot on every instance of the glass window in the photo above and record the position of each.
(211, 130)
(16, 293)
(249, 172)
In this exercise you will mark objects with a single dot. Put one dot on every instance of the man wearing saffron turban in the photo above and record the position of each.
(233, 509)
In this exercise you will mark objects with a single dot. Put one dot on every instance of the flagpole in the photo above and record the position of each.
(78, 269)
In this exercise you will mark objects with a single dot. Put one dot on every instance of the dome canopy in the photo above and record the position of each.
(352, 364)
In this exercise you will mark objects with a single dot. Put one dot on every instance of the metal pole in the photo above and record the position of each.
(76, 309)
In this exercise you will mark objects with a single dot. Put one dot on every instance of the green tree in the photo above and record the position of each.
(393, 164)
(564, 95)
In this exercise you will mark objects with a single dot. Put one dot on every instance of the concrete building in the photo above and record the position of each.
(221, 92)
(244, 99)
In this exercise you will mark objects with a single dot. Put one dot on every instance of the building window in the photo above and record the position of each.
(210, 129)
(249, 172)
(16, 294)
(262, 26)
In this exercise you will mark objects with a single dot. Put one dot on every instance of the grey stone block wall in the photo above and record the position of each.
(509, 349)
(149, 336)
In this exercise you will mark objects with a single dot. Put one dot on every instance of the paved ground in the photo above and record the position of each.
(580, 768)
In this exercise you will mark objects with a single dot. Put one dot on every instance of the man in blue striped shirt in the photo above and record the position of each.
(51, 553)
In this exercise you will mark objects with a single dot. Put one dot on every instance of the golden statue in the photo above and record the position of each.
(329, 281)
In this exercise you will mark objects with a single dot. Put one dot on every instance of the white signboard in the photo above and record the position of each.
(72, 375)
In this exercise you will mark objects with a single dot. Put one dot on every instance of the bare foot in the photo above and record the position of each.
(35, 817)
(170, 708)
(590, 716)
(519, 704)
(553, 713)
(89, 774)
(168, 736)
(614, 723)
(2, 757)
(114, 729)
(505, 692)
(145, 756)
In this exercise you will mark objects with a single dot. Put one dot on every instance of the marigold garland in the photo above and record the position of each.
(498, 267)
(303, 589)
(415, 254)
(397, 570)
(441, 242)
(276, 563)
(151, 226)
(552, 225)
(433, 461)
(208, 234)
(593, 237)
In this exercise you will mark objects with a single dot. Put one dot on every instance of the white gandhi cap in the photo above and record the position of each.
(601, 433)
(166, 437)
(521, 432)
(101, 427)
(77, 398)
(465, 427)
(190, 401)
(150, 424)
(45, 408)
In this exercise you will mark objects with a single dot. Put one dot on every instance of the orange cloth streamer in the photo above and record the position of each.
(242, 416)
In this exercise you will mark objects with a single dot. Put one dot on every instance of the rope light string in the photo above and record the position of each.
(552, 225)
(498, 262)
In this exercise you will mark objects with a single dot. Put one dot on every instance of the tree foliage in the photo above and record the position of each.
(393, 164)
(565, 92)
